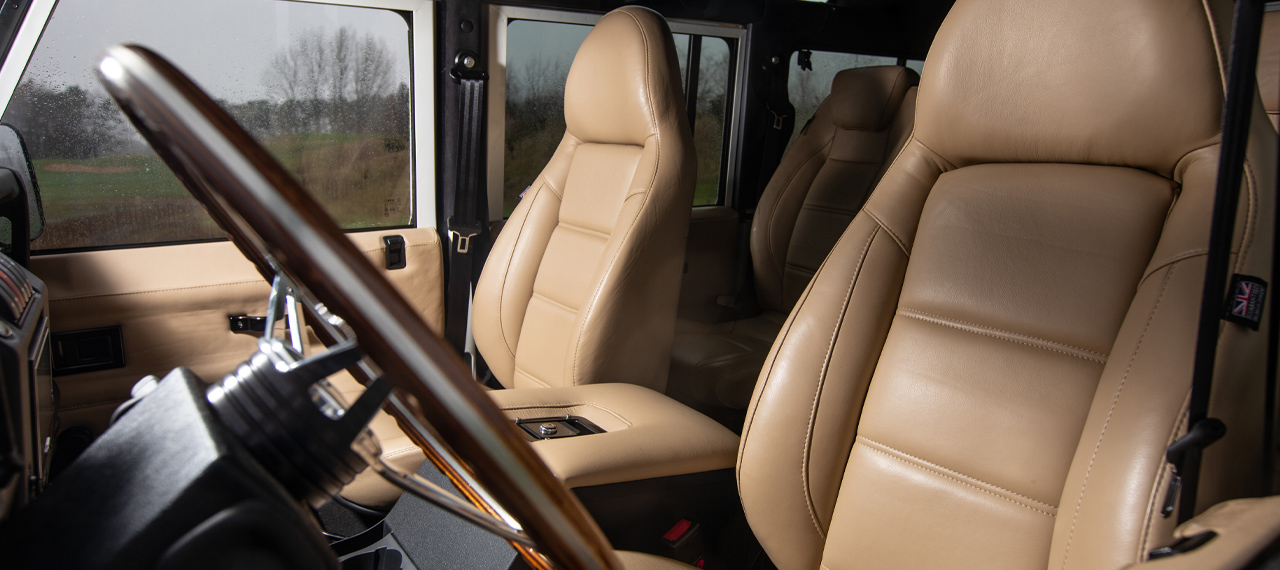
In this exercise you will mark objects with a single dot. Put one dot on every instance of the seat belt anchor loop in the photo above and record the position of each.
(466, 67)
(461, 233)
(777, 119)
(1201, 435)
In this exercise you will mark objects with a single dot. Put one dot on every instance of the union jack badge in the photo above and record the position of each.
(1244, 300)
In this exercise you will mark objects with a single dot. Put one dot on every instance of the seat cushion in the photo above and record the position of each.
(717, 365)
(647, 435)
(641, 561)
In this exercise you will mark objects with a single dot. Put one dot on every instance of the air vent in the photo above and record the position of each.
(15, 290)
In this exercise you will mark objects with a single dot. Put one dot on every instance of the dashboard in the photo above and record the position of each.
(28, 400)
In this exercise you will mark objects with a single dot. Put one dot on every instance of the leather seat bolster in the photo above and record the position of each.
(800, 427)
(646, 435)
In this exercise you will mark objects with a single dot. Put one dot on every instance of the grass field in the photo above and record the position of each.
(362, 180)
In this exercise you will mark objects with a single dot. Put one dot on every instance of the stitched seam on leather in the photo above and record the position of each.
(581, 229)
(952, 472)
(589, 308)
(944, 474)
(554, 303)
(402, 451)
(530, 376)
(946, 164)
(885, 227)
(865, 162)
(1114, 400)
(822, 379)
(885, 106)
(795, 267)
(193, 287)
(502, 287)
(568, 406)
(376, 250)
(1246, 237)
(547, 182)
(762, 381)
(1217, 47)
(831, 209)
(1188, 254)
(1007, 335)
(1162, 472)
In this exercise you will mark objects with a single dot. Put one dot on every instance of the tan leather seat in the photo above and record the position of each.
(587, 270)
(987, 369)
(582, 283)
(820, 185)
(1269, 66)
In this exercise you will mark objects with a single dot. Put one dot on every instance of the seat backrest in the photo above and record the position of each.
(1269, 66)
(581, 285)
(988, 368)
(826, 175)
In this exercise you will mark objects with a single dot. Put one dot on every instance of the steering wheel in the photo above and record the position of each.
(276, 224)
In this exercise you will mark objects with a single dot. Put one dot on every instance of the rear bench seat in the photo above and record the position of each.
(816, 191)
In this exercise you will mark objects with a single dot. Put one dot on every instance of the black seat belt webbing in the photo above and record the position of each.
(1185, 453)
(466, 224)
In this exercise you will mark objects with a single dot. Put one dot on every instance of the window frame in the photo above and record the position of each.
(422, 98)
(737, 37)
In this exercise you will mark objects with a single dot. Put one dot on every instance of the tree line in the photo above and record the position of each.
(338, 82)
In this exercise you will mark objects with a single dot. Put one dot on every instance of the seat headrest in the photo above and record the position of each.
(625, 79)
(867, 98)
(1135, 83)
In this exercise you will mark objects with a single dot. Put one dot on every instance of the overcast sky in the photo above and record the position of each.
(225, 45)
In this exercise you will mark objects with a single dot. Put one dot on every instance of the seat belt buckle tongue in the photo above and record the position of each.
(684, 542)
(461, 233)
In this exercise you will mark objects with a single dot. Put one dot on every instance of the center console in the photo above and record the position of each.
(613, 433)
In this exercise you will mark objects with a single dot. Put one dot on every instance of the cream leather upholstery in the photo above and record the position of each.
(987, 369)
(1269, 66)
(1244, 528)
(817, 189)
(582, 283)
(646, 435)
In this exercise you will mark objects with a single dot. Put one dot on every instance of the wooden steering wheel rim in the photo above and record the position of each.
(276, 224)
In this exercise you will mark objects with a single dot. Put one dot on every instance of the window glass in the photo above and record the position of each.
(324, 88)
(710, 112)
(916, 64)
(539, 55)
(808, 87)
(538, 58)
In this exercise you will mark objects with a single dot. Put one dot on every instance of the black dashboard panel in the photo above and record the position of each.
(28, 400)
